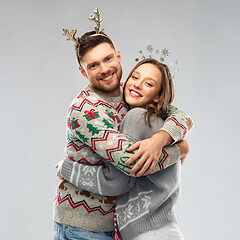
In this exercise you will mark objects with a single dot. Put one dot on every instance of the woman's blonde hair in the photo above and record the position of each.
(166, 92)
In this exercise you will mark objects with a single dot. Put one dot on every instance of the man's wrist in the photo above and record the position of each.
(163, 138)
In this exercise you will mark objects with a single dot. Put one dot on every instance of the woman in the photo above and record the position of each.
(145, 210)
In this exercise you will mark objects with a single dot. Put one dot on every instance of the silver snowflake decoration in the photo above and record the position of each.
(165, 52)
(162, 55)
(162, 59)
(149, 48)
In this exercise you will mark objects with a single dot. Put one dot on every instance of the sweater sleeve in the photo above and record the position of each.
(178, 124)
(102, 180)
(135, 128)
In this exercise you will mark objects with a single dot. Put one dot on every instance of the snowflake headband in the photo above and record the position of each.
(93, 17)
(152, 52)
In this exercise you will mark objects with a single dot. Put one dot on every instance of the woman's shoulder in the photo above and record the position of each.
(136, 111)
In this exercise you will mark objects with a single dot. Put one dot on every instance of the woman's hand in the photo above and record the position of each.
(148, 153)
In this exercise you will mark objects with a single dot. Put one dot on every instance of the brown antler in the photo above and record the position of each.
(70, 35)
(96, 18)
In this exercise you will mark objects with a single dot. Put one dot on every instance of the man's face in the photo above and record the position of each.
(101, 66)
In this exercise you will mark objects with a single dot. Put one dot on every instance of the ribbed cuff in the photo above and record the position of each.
(67, 168)
(175, 132)
(175, 151)
(173, 157)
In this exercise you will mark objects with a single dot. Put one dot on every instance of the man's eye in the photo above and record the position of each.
(108, 58)
(93, 66)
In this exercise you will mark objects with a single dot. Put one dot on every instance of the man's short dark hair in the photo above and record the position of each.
(89, 41)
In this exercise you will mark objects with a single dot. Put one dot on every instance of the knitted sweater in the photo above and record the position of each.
(150, 201)
(93, 139)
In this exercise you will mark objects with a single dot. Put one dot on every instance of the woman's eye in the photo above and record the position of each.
(148, 84)
(134, 77)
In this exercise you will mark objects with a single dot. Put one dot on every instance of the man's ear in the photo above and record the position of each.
(118, 55)
(83, 71)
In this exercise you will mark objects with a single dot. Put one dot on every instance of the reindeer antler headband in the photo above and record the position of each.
(93, 17)
(96, 18)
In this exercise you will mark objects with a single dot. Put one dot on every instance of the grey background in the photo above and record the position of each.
(39, 78)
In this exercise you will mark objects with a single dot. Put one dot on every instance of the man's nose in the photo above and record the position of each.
(104, 68)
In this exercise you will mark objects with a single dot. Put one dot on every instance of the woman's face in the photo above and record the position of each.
(143, 86)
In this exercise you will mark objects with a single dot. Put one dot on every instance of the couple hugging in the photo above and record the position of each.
(121, 175)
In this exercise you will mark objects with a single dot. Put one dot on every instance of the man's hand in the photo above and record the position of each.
(59, 167)
(184, 148)
(148, 153)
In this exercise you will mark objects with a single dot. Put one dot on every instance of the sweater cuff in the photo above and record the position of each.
(175, 132)
(173, 157)
(67, 167)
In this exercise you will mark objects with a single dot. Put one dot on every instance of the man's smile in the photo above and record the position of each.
(107, 78)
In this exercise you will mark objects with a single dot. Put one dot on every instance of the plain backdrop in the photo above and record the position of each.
(40, 77)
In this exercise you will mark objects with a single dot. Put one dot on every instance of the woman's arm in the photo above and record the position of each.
(176, 127)
(103, 180)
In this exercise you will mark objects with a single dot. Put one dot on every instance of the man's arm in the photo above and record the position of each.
(93, 126)
(175, 128)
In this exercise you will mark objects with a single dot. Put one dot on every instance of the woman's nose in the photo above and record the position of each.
(137, 84)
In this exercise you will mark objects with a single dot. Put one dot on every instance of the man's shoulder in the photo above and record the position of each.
(86, 95)
(89, 99)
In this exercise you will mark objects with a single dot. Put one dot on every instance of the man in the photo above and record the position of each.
(93, 118)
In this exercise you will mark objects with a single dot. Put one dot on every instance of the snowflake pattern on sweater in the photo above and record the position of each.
(140, 204)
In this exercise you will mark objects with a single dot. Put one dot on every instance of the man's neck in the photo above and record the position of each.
(115, 93)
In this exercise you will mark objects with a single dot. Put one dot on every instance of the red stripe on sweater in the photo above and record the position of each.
(184, 131)
(164, 158)
(94, 104)
(92, 164)
(68, 199)
(76, 148)
(105, 139)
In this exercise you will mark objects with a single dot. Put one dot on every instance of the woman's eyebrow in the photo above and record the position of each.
(149, 78)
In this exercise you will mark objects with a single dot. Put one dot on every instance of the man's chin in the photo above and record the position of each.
(108, 88)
